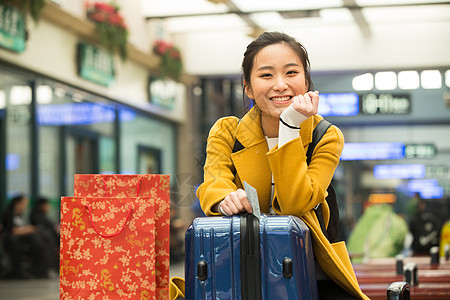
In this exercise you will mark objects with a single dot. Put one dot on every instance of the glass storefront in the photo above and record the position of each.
(147, 146)
(15, 100)
(50, 131)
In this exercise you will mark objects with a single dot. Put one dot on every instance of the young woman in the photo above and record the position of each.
(267, 149)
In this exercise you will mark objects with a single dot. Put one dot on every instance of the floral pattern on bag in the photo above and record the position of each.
(107, 248)
(154, 186)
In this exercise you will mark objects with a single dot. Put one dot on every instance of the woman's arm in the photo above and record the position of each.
(219, 171)
(299, 187)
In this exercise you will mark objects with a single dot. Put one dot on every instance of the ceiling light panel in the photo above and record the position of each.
(268, 20)
(205, 23)
(385, 80)
(410, 14)
(408, 80)
(280, 5)
(338, 15)
(392, 2)
(431, 79)
(180, 7)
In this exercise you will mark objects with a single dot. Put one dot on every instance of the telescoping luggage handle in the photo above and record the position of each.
(250, 258)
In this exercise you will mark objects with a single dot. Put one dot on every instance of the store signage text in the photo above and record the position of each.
(12, 29)
(437, 171)
(162, 92)
(385, 104)
(80, 114)
(95, 64)
(420, 151)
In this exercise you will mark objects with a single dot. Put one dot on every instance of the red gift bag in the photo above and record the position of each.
(154, 186)
(107, 248)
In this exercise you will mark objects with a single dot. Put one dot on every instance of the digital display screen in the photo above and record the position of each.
(373, 151)
(427, 188)
(80, 114)
(338, 104)
(404, 171)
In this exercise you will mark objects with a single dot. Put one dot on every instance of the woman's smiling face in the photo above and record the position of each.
(277, 76)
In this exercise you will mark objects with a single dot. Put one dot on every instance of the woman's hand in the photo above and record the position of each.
(235, 203)
(307, 104)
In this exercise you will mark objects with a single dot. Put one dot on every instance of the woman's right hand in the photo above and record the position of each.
(307, 104)
(235, 203)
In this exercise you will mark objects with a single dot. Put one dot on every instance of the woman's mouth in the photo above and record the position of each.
(281, 99)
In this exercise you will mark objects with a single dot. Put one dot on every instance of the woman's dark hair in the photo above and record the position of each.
(16, 199)
(271, 38)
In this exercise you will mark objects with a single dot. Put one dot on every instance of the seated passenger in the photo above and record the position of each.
(23, 241)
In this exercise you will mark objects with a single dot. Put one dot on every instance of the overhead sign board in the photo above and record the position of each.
(162, 91)
(385, 104)
(338, 104)
(420, 151)
(399, 171)
(12, 29)
(95, 64)
(370, 151)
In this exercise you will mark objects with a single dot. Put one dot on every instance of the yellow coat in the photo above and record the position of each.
(298, 187)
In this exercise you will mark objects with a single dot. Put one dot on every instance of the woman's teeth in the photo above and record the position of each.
(280, 99)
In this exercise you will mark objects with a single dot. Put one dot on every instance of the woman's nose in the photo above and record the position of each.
(280, 84)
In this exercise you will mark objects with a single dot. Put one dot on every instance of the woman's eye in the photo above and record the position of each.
(292, 72)
(266, 75)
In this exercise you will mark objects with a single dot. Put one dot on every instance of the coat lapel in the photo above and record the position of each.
(251, 163)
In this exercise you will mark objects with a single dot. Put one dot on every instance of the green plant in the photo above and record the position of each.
(110, 26)
(33, 7)
(171, 63)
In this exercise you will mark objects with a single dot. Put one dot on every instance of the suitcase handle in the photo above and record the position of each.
(399, 290)
(130, 208)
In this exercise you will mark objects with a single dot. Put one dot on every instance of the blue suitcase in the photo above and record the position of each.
(239, 257)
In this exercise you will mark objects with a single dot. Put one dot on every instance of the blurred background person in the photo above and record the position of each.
(23, 243)
(49, 231)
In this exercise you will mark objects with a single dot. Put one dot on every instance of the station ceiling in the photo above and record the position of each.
(246, 19)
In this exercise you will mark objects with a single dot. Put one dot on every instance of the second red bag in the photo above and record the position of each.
(154, 186)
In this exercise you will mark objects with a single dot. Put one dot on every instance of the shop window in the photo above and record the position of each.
(2, 99)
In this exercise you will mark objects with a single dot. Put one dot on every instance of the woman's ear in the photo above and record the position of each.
(248, 91)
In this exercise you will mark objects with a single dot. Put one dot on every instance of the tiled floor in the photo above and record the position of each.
(47, 289)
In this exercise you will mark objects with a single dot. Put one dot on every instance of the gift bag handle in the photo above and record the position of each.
(130, 208)
(138, 185)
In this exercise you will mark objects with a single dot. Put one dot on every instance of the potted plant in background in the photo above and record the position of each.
(171, 63)
(110, 26)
